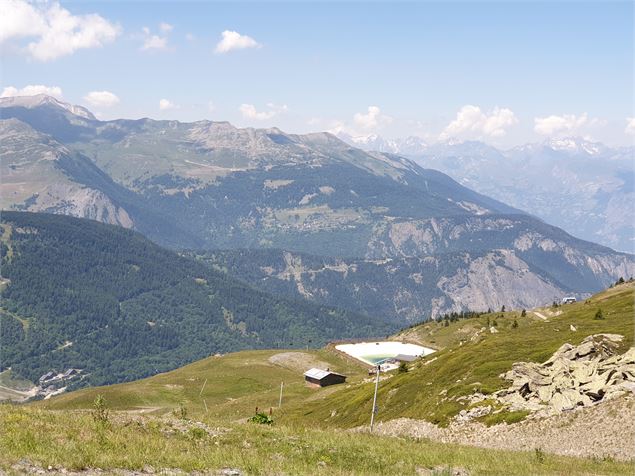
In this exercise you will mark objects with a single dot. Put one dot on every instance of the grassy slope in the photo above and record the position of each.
(236, 384)
(46, 438)
(429, 390)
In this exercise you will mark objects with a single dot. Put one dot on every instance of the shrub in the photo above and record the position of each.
(100, 411)
(262, 419)
(523, 313)
(599, 315)
(197, 433)
(181, 411)
(515, 324)
(403, 368)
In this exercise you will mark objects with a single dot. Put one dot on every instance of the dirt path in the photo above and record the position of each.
(540, 315)
(12, 395)
(605, 430)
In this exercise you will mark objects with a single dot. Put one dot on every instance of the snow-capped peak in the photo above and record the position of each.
(411, 145)
(575, 144)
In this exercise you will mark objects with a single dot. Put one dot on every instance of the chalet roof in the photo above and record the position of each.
(319, 374)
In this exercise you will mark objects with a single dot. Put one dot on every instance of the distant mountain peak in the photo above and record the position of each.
(575, 144)
(411, 145)
(43, 100)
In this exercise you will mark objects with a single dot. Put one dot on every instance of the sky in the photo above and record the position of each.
(503, 72)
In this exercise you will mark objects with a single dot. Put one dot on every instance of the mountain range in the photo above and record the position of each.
(585, 187)
(318, 215)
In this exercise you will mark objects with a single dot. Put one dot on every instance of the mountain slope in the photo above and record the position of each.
(209, 185)
(582, 186)
(80, 294)
(413, 288)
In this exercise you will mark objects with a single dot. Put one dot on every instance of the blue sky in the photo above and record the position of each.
(503, 72)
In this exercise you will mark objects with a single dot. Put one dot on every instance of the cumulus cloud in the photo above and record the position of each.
(166, 105)
(101, 99)
(32, 90)
(566, 124)
(232, 40)
(372, 119)
(52, 30)
(472, 123)
(249, 111)
(630, 126)
(165, 27)
(155, 42)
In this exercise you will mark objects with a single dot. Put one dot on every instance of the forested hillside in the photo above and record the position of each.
(81, 294)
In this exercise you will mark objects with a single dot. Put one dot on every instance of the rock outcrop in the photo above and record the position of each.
(574, 376)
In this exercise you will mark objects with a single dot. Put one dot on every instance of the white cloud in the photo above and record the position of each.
(190, 37)
(54, 31)
(32, 90)
(472, 123)
(166, 105)
(165, 27)
(211, 107)
(249, 111)
(630, 126)
(101, 99)
(232, 40)
(566, 124)
(372, 119)
(156, 42)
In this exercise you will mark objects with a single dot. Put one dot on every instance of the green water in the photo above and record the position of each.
(374, 358)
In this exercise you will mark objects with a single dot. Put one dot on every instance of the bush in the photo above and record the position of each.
(100, 411)
(515, 324)
(262, 419)
(181, 411)
(197, 433)
(403, 368)
(599, 315)
(523, 313)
